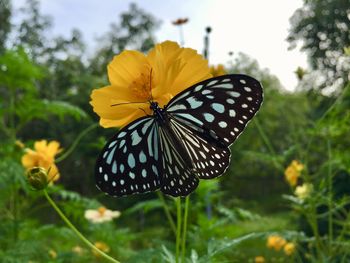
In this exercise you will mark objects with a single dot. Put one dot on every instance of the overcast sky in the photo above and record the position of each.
(255, 27)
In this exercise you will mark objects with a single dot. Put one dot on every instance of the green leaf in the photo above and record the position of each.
(30, 109)
(167, 255)
(146, 206)
(217, 246)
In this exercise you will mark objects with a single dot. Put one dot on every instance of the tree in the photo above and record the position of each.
(5, 24)
(134, 31)
(31, 31)
(323, 27)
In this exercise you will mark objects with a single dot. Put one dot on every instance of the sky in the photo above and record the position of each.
(257, 28)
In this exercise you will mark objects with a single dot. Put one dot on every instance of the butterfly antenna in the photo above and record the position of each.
(132, 102)
(150, 83)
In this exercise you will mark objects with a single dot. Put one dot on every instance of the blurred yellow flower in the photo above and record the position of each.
(136, 79)
(218, 70)
(289, 248)
(347, 51)
(53, 253)
(259, 259)
(101, 215)
(43, 156)
(292, 172)
(304, 191)
(19, 144)
(275, 242)
(78, 250)
(101, 246)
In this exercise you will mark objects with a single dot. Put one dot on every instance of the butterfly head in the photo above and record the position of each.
(154, 106)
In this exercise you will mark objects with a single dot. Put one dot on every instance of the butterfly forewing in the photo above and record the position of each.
(131, 162)
(218, 109)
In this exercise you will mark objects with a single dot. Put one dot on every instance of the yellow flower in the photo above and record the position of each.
(217, 71)
(101, 246)
(304, 191)
(101, 215)
(259, 259)
(275, 242)
(289, 248)
(53, 253)
(19, 144)
(292, 172)
(161, 74)
(297, 165)
(347, 51)
(78, 250)
(43, 156)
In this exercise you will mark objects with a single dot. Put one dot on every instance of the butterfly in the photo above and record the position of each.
(186, 140)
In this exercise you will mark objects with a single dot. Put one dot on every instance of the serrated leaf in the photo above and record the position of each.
(167, 255)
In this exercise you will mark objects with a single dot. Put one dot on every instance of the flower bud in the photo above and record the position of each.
(37, 178)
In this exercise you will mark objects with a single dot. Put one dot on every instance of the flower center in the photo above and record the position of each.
(101, 210)
(141, 86)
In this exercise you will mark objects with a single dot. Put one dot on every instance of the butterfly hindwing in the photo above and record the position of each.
(178, 178)
(209, 160)
(131, 161)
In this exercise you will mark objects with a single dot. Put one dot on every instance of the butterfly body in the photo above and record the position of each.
(163, 119)
(186, 140)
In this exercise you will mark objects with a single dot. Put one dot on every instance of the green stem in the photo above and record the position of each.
(183, 244)
(167, 212)
(330, 197)
(76, 231)
(267, 143)
(12, 111)
(75, 143)
(334, 104)
(311, 216)
(178, 228)
(14, 212)
(264, 137)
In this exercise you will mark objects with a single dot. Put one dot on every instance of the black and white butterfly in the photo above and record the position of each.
(183, 142)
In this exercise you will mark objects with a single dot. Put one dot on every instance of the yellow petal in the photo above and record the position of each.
(108, 123)
(53, 174)
(102, 100)
(53, 148)
(30, 159)
(125, 67)
(176, 68)
(40, 146)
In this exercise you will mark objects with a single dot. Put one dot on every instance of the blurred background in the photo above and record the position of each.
(53, 53)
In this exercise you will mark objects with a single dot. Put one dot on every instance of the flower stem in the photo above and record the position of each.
(76, 231)
(178, 228)
(183, 244)
(267, 143)
(167, 212)
(330, 198)
(75, 143)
